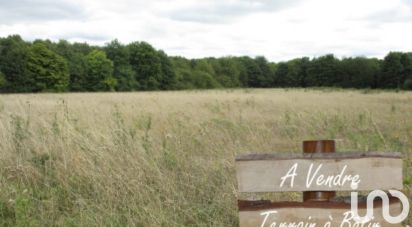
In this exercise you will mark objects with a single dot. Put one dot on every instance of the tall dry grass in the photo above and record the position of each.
(167, 158)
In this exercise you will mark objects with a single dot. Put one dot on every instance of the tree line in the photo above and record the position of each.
(46, 66)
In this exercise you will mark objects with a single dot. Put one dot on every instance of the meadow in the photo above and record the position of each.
(167, 158)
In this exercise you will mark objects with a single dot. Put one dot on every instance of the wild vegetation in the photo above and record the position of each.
(167, 158)
(46, 66)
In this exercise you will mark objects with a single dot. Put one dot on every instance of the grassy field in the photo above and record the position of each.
(167, 158)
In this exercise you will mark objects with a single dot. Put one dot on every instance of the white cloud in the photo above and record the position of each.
(215, 11)
(280, 30)
(39, 10)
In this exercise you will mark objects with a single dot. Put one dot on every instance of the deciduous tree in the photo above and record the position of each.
(99, 72)
(49, 70)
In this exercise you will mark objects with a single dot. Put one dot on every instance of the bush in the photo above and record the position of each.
(2, 80)
(408, 84)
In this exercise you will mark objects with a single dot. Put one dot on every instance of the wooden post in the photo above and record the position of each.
(318, 146)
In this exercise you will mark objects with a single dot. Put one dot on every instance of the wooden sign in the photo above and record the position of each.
(311, 214)
(319, 172)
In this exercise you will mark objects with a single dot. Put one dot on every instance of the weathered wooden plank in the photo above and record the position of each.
(312, 214)
(337, 155)
(319, 172)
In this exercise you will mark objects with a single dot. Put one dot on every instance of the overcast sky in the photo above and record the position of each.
(277, 29)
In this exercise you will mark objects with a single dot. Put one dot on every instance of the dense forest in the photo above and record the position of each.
(46, 66)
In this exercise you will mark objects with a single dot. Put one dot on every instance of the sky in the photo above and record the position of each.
(277, 29)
